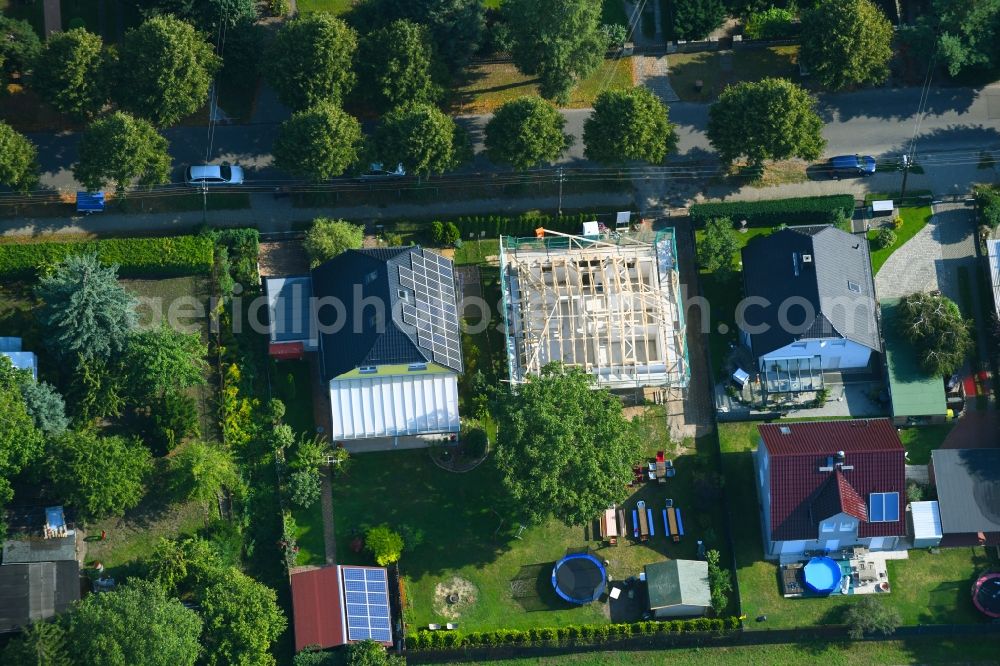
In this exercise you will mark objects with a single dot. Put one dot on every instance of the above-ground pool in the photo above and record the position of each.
(986, 594)
(579, 578)
(822, 574)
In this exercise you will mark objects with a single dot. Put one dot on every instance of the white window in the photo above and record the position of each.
(883, 507)
(847, 526)
(416, 367)
(828, 525)
(799, 345)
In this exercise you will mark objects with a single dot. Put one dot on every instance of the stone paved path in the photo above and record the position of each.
(329, 534)
(652, 72)
(914, 266)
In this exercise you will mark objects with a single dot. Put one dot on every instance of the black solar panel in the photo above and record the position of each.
(367, 592)
(434, 312)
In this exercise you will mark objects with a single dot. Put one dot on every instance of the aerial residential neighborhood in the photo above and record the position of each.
(370, 332)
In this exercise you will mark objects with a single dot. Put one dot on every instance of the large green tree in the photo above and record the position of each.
(122, 151)
(310, 60)
(371, 653)
(242, 620)
(937, 331)
(327, 238)
(717, 247)
(134, 624)
(18, 48)
(86, 314)
(397, 65)
(207, 15)
(967, 31)
(526, 132)
(18, 160)
(846, 43)
(163, 360)
(422, 138)
(70, 72)
(99, 476)
(164, 70)
(45, 405)
(318, 143)
(695, 19)
(559, 40)
(183, 567)
(40, 644)
(769, 119)
(20, 441)
(201, 469)
(563, 447)
(457, 26)
(628, 125)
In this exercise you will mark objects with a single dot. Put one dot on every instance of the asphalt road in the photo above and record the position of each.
(958, 124)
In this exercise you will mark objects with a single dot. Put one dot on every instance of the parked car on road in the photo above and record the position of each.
(378, 170)
(847, 166)
(202, 175)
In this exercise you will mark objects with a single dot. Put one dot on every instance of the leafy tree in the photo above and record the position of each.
(201, 469)
(771, 23)
(423, 138)
(871, 615)
(397, 64)
(45, 405)
(174, 417)
(328, 238)
(95, 389)
(384, 544)
(183, 566)
(628, 125)
(243, 47)
(100, 476)
(937, 331)
(134, 624)
(40, 644)
(695, 19)
(967, 33)
(457, 27)
(162, 360)
(18, 48)
(719, 582)
(769, 119)
(122, 150)
(20, 441)
(310, 60)
(526, 132)
(18, 165)
(305, 487)
(318, 143)
(450, 233)
(559, 40)
(310, 452)
(70, 72)
(165, 70)
(314, 655)
(718, 246)
(87, 313)
(207, 15)
(846, 43)
(563, 448)
(988, 203)
(242, 620)
(370, 653)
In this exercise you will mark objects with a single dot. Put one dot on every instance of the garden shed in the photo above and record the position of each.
(925, 524)
(678, 588)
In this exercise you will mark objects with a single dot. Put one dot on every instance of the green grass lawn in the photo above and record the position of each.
(332, 6)
(914, 219)
(476, 251)
(686, 69)
(454, 528)
(484, 87)
(809, 653)
(926, 588)
(920, 441)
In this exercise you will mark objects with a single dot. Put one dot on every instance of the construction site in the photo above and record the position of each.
(607, 302)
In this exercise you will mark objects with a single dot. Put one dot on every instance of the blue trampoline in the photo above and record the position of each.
(822, 575)
(579, 578)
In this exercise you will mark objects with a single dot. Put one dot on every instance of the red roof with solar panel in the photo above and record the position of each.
(819, 469)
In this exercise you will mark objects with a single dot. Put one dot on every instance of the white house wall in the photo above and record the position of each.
(836, 353)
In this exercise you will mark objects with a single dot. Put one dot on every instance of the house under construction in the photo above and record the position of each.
(606, 302)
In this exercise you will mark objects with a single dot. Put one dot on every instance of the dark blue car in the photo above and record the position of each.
(844, 166)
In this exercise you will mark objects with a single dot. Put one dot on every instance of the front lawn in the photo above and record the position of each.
(752, 64)
(914, 219)
(926, 589)
(485, 87)
(458, 534)
(332, 6)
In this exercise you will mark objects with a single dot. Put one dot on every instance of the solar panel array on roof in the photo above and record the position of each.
(433, 311)
(367, 602)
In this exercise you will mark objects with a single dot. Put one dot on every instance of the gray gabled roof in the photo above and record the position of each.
(968, 489)
(678, 582)
(835, 283)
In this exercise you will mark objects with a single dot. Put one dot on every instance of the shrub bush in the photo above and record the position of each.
(884, 238)
(136, 257)
(803, 210)
(772, 23)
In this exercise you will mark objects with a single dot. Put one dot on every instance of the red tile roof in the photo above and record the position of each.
(316, 608)
(800, 493)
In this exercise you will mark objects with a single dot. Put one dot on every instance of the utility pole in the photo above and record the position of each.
(906, 172)
(560, 190)
(204, 203)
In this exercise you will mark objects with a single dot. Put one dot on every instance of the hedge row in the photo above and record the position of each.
(137, 257)
(521, 225)
(587, 633)
(804, 210)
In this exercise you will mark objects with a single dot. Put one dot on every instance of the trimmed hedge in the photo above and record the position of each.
(773, 212)
(587, 633)
(136, 257)
(521, 225)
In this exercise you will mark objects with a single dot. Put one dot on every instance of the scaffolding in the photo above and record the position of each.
(607, 304)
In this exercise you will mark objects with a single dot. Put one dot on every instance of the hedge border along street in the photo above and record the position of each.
(803, 210)
(137, 257)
